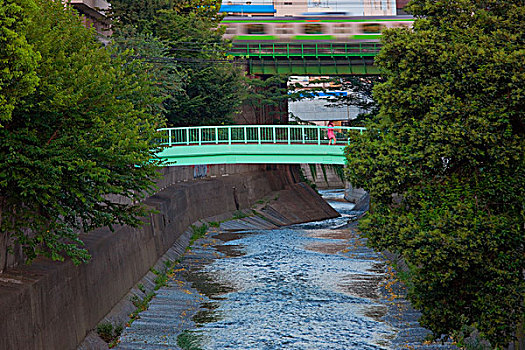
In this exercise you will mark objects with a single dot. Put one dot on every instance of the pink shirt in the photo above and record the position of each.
(330, 133)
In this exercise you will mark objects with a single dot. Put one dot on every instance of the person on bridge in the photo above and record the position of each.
(330, 133)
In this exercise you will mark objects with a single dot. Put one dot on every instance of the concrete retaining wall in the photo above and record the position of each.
(53, 305)
(332, 179)
(358, 196)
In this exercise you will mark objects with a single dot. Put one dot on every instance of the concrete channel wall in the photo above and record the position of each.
(323, 178)
(54, 305)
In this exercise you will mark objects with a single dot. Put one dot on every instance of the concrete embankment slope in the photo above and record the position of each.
(53, 305)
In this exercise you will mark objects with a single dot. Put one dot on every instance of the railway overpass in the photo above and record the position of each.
(308, 58)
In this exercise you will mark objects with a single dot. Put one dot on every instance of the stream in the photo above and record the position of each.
(308, 286)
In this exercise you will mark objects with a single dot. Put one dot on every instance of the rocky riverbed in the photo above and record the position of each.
(250, 285)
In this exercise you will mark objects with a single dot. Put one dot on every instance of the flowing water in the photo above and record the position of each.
(307, 286)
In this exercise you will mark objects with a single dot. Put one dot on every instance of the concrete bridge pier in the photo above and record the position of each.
(326, 177)
(323, 176)
(358, 196)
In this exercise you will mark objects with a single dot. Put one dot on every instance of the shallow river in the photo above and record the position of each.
(307, 286)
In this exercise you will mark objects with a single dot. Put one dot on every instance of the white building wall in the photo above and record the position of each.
(315, 110)
(379, 7)
(286, 8)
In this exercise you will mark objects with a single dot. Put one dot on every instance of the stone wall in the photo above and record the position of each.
(53, 305)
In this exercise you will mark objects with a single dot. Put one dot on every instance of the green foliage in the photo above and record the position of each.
(197, 233)
(83, 138)
(323, 169)
(313, 171)
(140, 305)
(105, 331)
(138, 14)
(108, 333)
(304, 179)
(211, 87)
(160, 280)
(164, 73)
(339, 170)
(215, 224)
(209, 96)
(265, 97)
(205, 88)
(239, 214)
(443, 162)
(18, 60)
(189, 340)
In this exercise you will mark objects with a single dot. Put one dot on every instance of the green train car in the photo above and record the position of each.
(310, 28)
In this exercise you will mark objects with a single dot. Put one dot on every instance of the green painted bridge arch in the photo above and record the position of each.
(253, 144)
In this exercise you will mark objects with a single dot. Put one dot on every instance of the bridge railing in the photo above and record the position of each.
(304, 50)
(254, 134)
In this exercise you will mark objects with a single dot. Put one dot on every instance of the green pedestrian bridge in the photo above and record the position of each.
(252, 144)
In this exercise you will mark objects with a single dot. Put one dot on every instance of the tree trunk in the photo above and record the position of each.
(4, 239)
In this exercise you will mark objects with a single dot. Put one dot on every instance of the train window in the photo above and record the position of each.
(372, 27)
(342, 28)
(255, 28)
(231, 30)
(313, 28)
(283, 29)
(288, 3)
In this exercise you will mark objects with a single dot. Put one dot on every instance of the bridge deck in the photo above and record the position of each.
(288, 144)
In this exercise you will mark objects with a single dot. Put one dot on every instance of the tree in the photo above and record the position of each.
(211, 85)
(443, 162)
(148, 49)
(208, 86)
(264, 99)
(17, 57)
(84, 137)
(137, 14)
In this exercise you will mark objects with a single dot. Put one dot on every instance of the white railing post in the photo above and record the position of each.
(187, 136)
(274, 138)
(169, 137)
(289, 131)
(200, 136)
(245, 135)
(216, 135)
(229, 135)
(259, 134)
(302, 132)
(318, 135)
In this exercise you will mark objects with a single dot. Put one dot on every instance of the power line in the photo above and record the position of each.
(185, 60)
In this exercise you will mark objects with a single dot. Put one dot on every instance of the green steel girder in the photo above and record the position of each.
(304, 50)
(323, 58)
(253, 153)
(349, 66)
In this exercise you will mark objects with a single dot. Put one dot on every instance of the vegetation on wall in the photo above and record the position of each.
(444, 164)
(82, 135)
